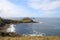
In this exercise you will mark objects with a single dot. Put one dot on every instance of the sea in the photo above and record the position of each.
(44, 27)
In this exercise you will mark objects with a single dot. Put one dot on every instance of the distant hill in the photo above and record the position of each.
(8, 21)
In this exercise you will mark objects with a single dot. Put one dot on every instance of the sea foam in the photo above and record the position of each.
(11, 28)
(35, 34)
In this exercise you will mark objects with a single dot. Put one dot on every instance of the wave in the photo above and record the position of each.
(11, 28)
(41, 22)
(35, 34)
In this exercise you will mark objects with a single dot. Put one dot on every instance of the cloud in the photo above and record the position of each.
(44, 4)
(8, 9)
(47, 6)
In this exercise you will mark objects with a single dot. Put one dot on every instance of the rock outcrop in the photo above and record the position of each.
(27, 20)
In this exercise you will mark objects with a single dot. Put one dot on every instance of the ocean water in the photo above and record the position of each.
(44, 27)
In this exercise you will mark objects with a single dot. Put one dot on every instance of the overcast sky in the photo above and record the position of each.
(29, 8)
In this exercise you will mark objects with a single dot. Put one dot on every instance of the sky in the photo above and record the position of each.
(29, 8)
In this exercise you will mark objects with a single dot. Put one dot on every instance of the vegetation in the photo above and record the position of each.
(4, 21)
(31, 38)
(0, 21)
(9, 34)
(8, 21)
(27, 20)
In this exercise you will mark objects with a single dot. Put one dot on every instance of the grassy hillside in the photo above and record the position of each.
(8, 21)
(3, 22)
(31, 38)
